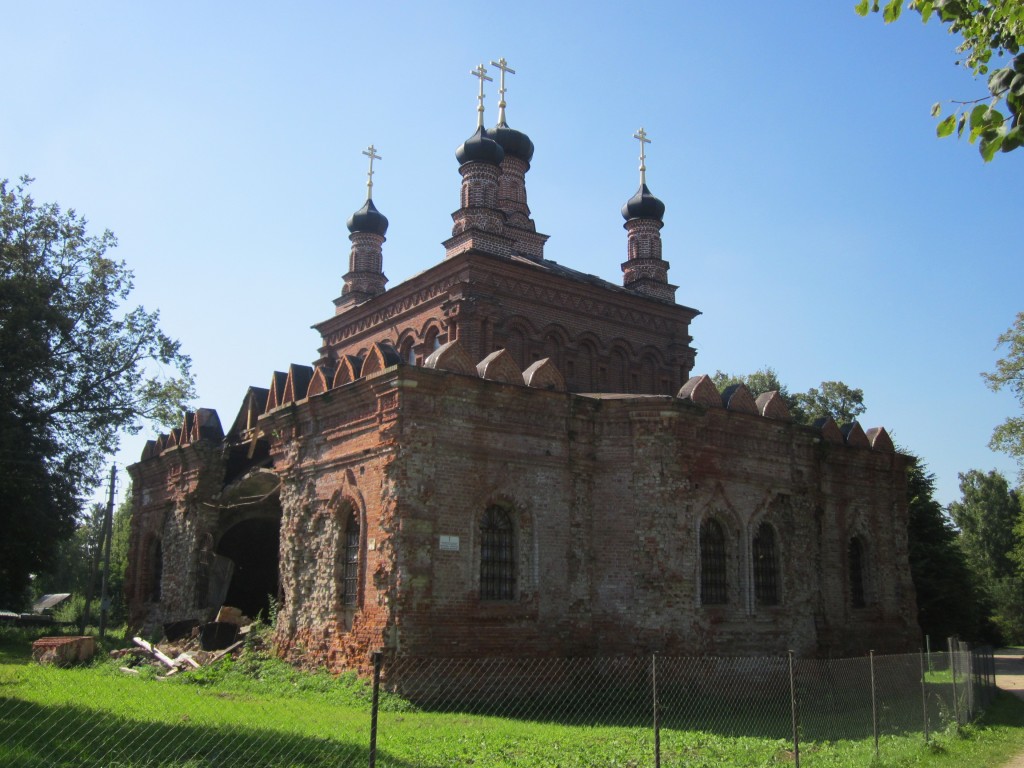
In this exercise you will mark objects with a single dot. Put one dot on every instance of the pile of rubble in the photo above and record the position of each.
(188, 644)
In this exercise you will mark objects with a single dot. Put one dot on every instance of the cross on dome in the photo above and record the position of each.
(641, 136)
(480, 73)
(502, 64)
(370, 152)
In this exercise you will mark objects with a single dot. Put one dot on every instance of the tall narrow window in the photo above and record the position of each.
(856, 562)
(350, 577)
(713, 580)
(497, 556)
(766, 587)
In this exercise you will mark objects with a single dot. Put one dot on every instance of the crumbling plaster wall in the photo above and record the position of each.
(608, 497)
(168, 506)
(335, 455)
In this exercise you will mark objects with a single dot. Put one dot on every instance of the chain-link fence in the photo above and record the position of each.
(632, 711)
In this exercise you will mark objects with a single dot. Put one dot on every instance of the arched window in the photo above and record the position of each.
(713, 580)
(408, 352)
(350, 575)
(766, 584)
(497, 555)
(856, 564)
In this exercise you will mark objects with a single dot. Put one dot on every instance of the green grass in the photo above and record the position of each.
(257, 711)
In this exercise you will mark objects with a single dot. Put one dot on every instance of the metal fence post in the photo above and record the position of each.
(378, 658)
(952, 670)
(874, 705)
(971, 682)
(924, 698)
(793, 713)
(654, 705)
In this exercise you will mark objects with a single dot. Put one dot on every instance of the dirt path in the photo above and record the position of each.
(1010, 677)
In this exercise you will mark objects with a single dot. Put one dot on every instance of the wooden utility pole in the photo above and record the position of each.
(108, 524)
(94, 566)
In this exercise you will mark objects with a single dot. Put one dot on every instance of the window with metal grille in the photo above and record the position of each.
(713, 580)
(856, 561)
(350, 590)
(766, 586)
(497, 556)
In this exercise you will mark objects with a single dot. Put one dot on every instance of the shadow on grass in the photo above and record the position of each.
(1006, 709)
(34, 736)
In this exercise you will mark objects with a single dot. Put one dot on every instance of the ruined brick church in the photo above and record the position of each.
(503, 456)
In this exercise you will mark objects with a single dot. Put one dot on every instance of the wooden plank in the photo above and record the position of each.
(184, 657)
(221, 654)
(155, 651)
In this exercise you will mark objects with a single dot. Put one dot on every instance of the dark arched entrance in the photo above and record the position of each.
(253, 547)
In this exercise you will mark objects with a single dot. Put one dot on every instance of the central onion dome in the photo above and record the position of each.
(479, 148)
(643, 205)
(368, 219)
(515, 143)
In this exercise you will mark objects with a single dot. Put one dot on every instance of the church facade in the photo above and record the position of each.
(503, 456)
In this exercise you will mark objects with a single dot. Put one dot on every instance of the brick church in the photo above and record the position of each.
(503, 456)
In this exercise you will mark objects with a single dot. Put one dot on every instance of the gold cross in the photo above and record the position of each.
(504, 67)
(481, 73)
(641, 136)
(370, 152)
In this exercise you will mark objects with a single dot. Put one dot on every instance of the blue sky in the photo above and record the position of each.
(812, 216)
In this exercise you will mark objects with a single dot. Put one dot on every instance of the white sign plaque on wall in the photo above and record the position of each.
(449, 544)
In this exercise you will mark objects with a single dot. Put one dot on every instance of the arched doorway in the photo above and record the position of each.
(253, 546)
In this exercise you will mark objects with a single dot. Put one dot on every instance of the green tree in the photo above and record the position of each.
(987, 29)
(833, 398)
(948, 602)
(1009, 374)
(987, 516)
(77, 368)
(760, 381)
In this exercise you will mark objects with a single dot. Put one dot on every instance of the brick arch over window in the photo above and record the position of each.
(498, 571)
(517, 336)
(766, 565)
(588, 355)
(407, 350)
(555, 340)
(714, 564)
(432, 336)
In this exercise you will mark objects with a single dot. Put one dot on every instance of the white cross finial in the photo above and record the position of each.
(641, 136)
(504, 67)
(370, 152)
(481, 73)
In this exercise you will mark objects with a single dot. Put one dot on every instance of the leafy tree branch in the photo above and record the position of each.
(990, 31)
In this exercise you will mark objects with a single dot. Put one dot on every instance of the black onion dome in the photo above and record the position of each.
(478, 148)
(515, 143)
(368, 219)
(643, 205)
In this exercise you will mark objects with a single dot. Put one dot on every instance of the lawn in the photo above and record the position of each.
(256, 711)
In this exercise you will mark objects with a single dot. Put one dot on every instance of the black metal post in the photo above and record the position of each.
(654, 704)
(924, 699)
(378, 660)
(874, 705)
(793, 713)
(950, 642)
